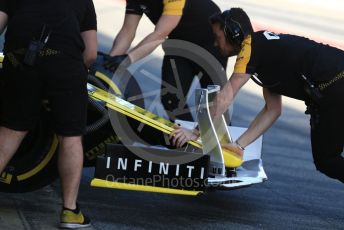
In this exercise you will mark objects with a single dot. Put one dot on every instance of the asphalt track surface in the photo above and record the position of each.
(295, 196)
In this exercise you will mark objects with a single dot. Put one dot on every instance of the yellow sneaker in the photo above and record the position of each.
(72, 219)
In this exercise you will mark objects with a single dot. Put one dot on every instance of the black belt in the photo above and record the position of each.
(12, 55)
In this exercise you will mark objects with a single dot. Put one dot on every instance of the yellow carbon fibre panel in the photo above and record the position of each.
(231, 159)
(148, 118)
(133, 187)
(135, 112)
(174, 7)
(157, 126)
(42, 164)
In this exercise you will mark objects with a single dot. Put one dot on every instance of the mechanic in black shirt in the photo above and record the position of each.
(286, 65)
(186, 20)
(66, 32)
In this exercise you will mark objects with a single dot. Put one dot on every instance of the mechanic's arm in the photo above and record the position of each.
(3, 21)
(90, 40)
(163, 28)
(126, 35)
(223, 99)
(226, 96)
(264, 120)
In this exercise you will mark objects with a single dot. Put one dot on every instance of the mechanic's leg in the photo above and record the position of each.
(332, 164)
(327, 135)
(70, 164)
(67, 93)
(331, 167)
(177, 77)
(20, 110)
(66, 90)
(327, 148)
(9, 143)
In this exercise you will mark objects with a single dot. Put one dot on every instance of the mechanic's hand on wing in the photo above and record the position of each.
(233, 147)
(112, 63)
(182, 135)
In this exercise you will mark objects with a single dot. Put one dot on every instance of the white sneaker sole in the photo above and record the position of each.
(73, 226)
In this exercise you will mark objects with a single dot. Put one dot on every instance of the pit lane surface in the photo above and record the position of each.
(296, 196)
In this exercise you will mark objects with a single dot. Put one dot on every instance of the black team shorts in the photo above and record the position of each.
(60, 79)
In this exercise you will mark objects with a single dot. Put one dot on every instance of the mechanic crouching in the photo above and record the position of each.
(48, 45)
(282, 64)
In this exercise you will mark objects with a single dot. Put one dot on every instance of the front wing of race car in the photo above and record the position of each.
(123, 168)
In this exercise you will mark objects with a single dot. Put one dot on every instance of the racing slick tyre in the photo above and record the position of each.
(34, 164)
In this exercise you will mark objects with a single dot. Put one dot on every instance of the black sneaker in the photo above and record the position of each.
(72, 219)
